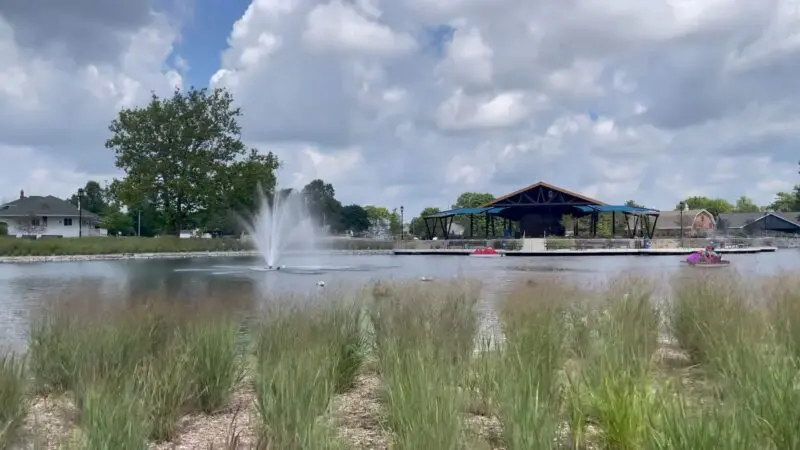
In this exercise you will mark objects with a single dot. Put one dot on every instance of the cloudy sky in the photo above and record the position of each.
(411, 102)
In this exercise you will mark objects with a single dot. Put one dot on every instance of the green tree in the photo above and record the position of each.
(355, 219)
(715, 206)
(473, 200)
(117, 222)
(786, 201)
(94, 198)
(375, 213)
(395, 226)
(746, 205)
(322, 204)
(179, 153)
(417, 225)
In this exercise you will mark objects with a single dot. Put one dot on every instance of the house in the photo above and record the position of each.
(693, 222)
(760, 223)
(47, 216)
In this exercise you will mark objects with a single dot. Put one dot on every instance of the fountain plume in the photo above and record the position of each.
(281, 223)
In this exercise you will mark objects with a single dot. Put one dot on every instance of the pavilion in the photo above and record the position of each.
(537, 211)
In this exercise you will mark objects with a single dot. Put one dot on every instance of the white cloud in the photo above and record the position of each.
(410, 102)
(336, 26)
(56, 101)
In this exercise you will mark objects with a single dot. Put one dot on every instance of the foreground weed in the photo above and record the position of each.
(425, 338)
(705, 313)
(213, 362)
(53, 352)
(679, 425)
(13, 386)
(295, 380)
(113, 417)
(533, 320)
(164, 385)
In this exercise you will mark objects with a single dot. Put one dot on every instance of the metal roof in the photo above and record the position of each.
(616, 208)
(464, 212)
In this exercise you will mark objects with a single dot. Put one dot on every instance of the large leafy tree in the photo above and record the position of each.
(322, 204)
(183, 155)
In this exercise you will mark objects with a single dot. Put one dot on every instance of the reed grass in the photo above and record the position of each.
(303, 356)
(576, 366)
(13, 397)
(533, 322)
(424, 338)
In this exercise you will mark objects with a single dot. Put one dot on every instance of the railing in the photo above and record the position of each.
(561, 243)
(460, 244)
(556, 243)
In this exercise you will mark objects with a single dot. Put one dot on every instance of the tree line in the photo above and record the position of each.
(186, 168)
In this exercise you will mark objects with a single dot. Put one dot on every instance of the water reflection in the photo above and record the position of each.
(27, 288)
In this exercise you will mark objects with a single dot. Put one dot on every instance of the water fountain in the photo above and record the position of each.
(282, 223)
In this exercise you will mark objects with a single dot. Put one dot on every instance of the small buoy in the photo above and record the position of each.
(320, 283)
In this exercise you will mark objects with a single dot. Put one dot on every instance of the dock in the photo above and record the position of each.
(591, 252)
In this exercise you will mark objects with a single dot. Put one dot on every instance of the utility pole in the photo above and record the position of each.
(139, 224)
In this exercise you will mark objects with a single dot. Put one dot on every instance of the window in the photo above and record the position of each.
(68, 222)
(36, 223)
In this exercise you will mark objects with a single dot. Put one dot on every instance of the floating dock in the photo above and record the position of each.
(592, 252)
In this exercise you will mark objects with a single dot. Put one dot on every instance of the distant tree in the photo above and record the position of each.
(417, 227)
(94, 198)
(3, 229)
(117, 222)
(715, 206)
(473, 200)
(375, 213)
(322, 204)
(355, 219)
(786, 201)
(395, 226)
(184, 155)
(745, 204)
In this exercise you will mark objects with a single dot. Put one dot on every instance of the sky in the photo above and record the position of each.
(412, 102)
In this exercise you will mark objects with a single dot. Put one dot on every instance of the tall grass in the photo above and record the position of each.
(424, 338)
(303, 357)
(611, 385)
(213, 363)
(13, 400)
(533, 322)
(160, 359)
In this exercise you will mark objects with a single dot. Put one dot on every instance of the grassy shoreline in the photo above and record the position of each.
(11, 247)
(395, 365)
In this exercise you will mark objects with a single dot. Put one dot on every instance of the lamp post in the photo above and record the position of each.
(402, 225)
(80, 212)
(682, 205)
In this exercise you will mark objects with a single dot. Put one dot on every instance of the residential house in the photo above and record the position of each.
(47, 217)
(760, 223)
(692, 222)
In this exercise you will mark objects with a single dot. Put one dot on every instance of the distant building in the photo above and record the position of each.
(47, 217)
(694, 222)
(760, 223)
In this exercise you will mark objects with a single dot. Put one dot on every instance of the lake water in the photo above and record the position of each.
(26, 288)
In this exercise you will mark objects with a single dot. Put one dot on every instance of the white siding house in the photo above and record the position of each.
(47, 216)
